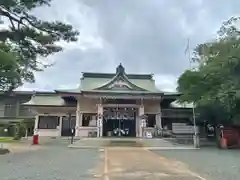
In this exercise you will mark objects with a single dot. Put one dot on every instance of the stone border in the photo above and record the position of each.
(128, 147)
(85, 147)
(171, 148)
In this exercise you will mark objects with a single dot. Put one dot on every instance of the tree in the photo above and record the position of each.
(215, 83)
(27, 39)
(8, 68)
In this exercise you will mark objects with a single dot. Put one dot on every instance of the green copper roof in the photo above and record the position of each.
(92, 83)
(46, 100)
(102, 81)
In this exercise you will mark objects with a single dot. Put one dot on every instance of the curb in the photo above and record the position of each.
(84, 147)
(171, 148)
(146, 148)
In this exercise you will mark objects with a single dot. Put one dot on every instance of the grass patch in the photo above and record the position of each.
(7, 140)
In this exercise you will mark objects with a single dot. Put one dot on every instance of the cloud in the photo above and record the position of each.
(145, 36)
(166, 83)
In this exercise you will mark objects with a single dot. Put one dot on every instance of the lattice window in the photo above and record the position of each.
(48, 122)
(10, 110)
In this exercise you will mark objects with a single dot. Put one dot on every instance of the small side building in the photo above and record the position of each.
(12, 111)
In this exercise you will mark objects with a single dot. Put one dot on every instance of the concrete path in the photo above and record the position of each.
(55, 161)
(140, 164)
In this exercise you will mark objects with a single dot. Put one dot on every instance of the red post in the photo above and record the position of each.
(35, 139)
(224, 143)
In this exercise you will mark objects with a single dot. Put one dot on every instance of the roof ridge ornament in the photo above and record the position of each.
(120, 69)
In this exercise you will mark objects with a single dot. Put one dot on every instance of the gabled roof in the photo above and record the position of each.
(120, 82)
(92, 83)
(115, 83)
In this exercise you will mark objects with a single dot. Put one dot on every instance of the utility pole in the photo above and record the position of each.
(195, 137)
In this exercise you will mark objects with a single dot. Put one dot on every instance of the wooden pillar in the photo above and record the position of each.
(159, 120)
(99, 120)
(36, 124)
(141, 114)
(78, 119)
(60, 126)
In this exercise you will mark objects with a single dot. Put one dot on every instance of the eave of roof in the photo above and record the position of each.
(28, 92)
(122, 92)
(46, 100)
(68, 91)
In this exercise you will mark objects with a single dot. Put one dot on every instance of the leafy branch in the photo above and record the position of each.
(29, 38)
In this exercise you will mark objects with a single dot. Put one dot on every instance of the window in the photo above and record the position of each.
(25, 111)
(89, 119)
(151, 120)
(10, 110)
(48, 122)
(68, 123)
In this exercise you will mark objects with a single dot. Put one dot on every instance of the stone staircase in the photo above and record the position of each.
(126, 142)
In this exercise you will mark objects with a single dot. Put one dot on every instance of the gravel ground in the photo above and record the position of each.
(55, 162)
(211, 163)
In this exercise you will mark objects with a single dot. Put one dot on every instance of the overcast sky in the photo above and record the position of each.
(146, 36)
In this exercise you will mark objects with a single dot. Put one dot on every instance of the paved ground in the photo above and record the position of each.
(211, 163)
(54, 161)
(50, 163)
(140, 164)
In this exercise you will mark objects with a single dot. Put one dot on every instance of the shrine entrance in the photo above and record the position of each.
(119, 122)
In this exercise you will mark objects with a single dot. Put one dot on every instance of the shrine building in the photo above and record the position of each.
(105, 104)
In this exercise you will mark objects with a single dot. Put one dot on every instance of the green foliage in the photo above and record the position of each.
(9, 69)
(21, 129)
(27, 39)
(214, 85)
